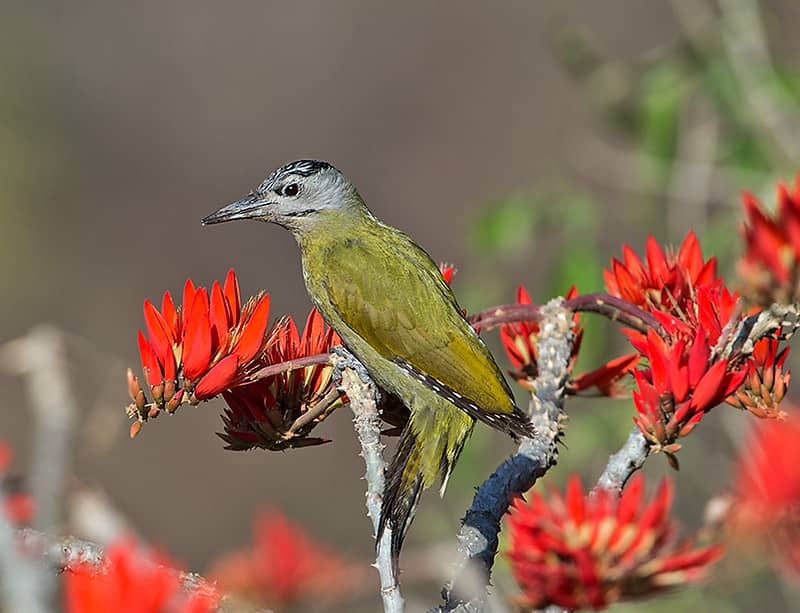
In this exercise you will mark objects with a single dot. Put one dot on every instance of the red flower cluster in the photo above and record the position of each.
(282, 567)
(664, 282)
(769, 267)
(520, 340)
(687, 375)
(576, 551)
(135, 581)
(680, 386)
(17, 504)
(280, 408)
(276, 383)
(766, 501)
(209, 344)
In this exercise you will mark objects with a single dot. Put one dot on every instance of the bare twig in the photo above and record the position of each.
(615, 309)
(478, 537)
(621, 466)
(778, 321)
(296, 364)
(362, 396)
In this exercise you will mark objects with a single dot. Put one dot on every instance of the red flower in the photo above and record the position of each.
(282, 567)
(766, 502)
(134, 581)
(769, 267)
(520, 339)
(448, 271)
(17, 504)
(280, 409)
(575, 551)
(666, 281)
(196, 351)
(686, 375)
(682, 383)
(766, 382)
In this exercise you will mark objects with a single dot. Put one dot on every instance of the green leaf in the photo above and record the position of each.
(505, 226)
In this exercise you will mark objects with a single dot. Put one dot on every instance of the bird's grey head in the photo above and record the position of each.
(292, 196)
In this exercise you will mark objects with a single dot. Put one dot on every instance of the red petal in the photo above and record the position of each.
(523, 297)
(188, 298)
(633, 263)
(170, 314)
(197, 339)
(218, 379)
(707, 274)
(678, 374)
(232, 296)
(631, 499)
(313, 333)
(150, 365)
(710, 391)
(252, 334)
(507, 340)
(158, 331)
(220, 318)
(699, 354)
(690, 256)
(659, 364)
(656, 261)
(610, 282)
(629, 287)
(576, 502)
(606, 375)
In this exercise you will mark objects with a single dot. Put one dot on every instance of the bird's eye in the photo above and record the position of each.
(291, 190)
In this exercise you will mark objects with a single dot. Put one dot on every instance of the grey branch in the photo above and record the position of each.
(362, 395)
(738, 338)
(621, 466)
(60, 553)
(478, 537)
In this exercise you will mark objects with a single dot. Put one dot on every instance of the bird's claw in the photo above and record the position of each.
(348, 360)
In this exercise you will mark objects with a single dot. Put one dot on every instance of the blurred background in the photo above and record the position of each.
(522, 141)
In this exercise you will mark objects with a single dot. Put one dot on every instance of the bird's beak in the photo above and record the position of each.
(245, 208)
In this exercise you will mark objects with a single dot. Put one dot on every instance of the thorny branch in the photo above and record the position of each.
(363, 402)
(478, 537)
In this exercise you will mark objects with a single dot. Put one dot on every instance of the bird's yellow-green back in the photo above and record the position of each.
(389, 292)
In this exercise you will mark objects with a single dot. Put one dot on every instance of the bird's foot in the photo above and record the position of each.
(348, 360)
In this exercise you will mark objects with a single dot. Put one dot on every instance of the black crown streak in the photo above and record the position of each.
(300, 168)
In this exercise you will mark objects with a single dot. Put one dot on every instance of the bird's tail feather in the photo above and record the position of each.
(428, 448)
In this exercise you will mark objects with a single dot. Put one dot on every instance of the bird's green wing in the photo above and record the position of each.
(391, 293)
